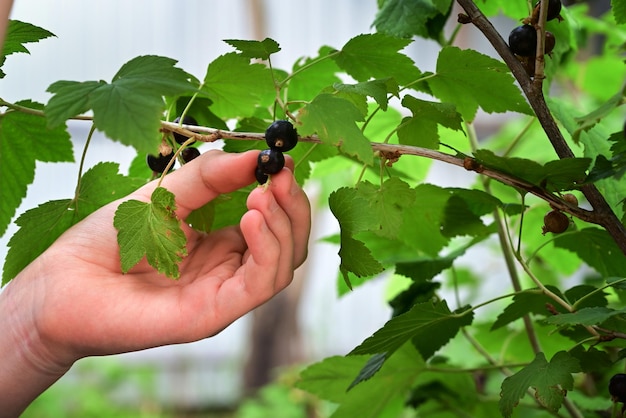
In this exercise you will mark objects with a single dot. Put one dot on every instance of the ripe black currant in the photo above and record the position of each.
(187, 120)
(554, 9)
(271, 161)
(281, 135)
(523, 41)
(260, 176)
(189, 154)
(617, 387)
(555, 221)
(158, 163)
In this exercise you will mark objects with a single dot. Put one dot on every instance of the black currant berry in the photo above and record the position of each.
(271, 161)
(617, 387)
(555, 221)
(187, 120)
(158, 163)
(261, 177)
(554, 9)
(548, 47)
(281, 135)
(523, 41)
(189, 154)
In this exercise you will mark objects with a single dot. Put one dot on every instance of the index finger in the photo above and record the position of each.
(207, 176)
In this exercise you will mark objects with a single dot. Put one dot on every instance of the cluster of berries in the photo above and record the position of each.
(280, 137)
(523, 39)
(158, 163)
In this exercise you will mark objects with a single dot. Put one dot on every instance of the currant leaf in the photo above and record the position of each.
(236, 86)
(334, 121)
(129, 108)
(407, 18)
(429, 326)
(377, 56)
(549, 380)
(472, 80)
(255, 49)
(19, 33)
(421, 129)
(41, 226)
(151, 230)
(18, 132)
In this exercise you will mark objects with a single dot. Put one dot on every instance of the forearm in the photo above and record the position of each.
(5, 10)
(26, 370)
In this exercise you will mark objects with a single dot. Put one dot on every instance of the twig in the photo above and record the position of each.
(603, 214)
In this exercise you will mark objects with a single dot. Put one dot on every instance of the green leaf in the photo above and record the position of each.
(130, 108)
(381, 396)
(255, 49)
(38, 229)
(334, 121)
(619, 11)
(585, 316)
(596, 248)
(422, 220)
(100, 185)
(236, 86)
(425, 268)
(330, 378)
(590, 120)
(347, 206)
(377, 56)
(312, 75)
(25, 139)
(41, 226)
(17, 34)
(151, 230)
(526, 302)
(421, 130)
(556, 175)
(407, 18)
(377, 89)
(472, 80)
(550, 381)
(428, 325)
(387, 203)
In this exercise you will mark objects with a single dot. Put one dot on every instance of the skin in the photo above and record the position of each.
(5, 10)
(73, 301)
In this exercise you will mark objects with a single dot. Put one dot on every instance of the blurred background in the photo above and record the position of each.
(217, 376)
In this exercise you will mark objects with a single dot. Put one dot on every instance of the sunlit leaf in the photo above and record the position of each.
(471, 80)
(151, 230)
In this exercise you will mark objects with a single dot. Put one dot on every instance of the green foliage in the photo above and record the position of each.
(549, 381)
(371, 121)
(41, 226)
(18, 131)
(130, 107)
(18, 34)
(151, 229)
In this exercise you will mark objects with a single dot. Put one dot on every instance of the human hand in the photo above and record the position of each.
(73, 301)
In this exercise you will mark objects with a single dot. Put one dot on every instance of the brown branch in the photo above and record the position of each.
(603, 214)
(392, 152)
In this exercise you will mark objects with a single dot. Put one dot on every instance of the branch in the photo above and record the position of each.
(603, 214)
(392, 152)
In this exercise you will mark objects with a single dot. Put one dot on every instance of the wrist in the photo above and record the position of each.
(29, 365)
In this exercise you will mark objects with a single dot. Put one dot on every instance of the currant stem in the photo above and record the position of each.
(82, 164)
